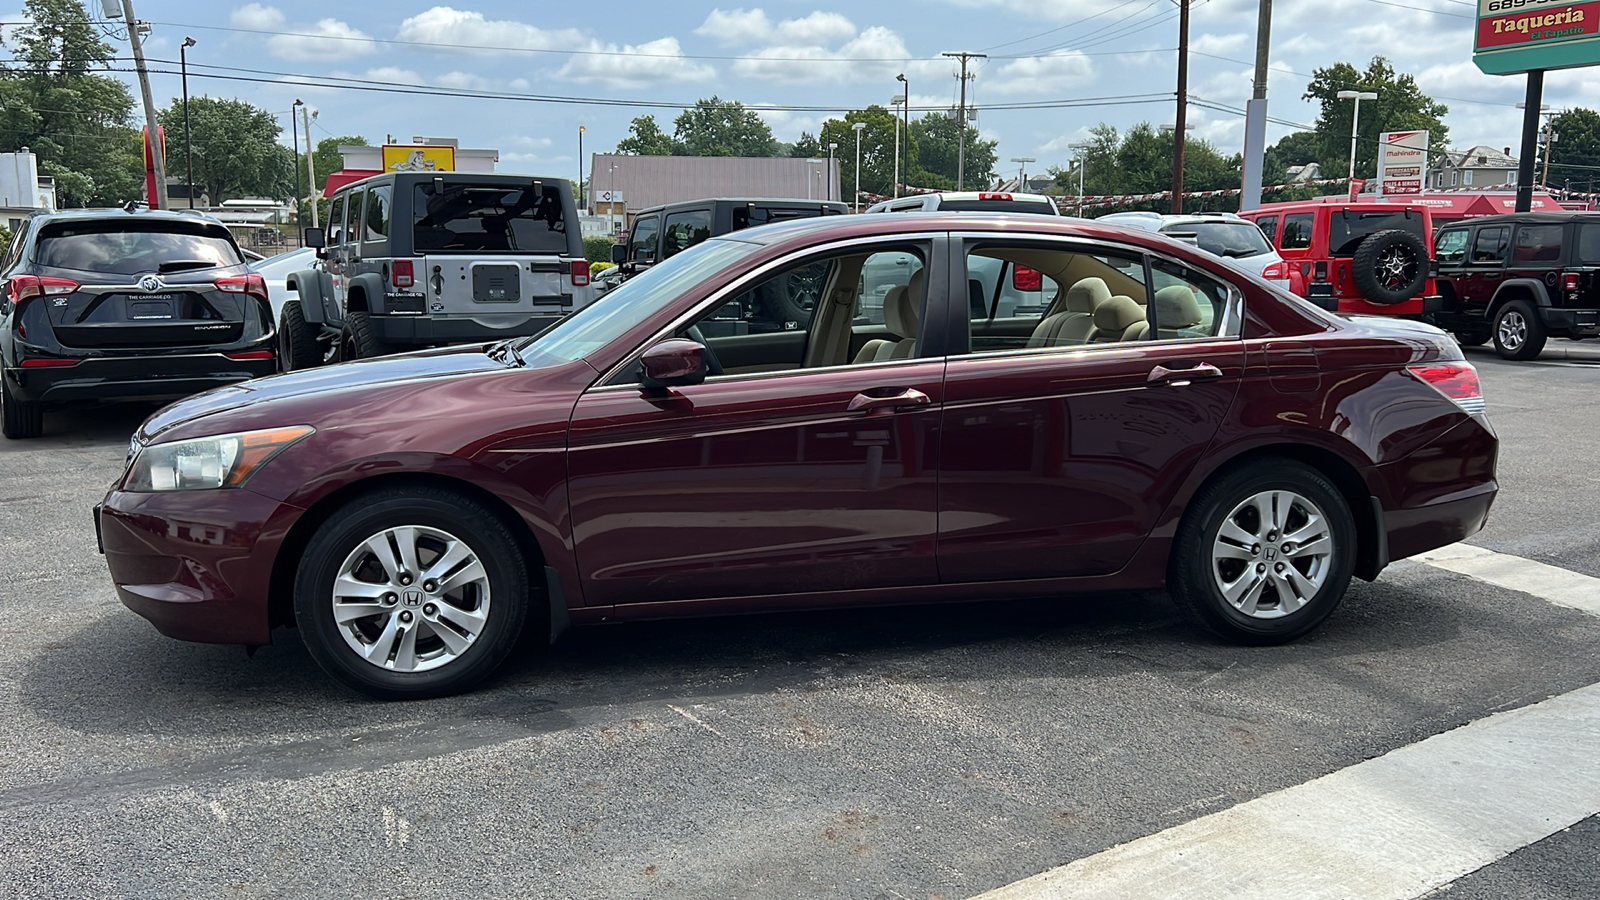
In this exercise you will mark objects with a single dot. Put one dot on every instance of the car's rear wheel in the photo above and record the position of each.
(1473, 338)
(361, 339)
(1265, 553)
(19, 418)
(411, 593)
(1518, 333)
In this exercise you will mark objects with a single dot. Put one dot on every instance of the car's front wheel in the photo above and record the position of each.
(411, 593)
(299, 348)
(19, 418)
(361, 339)
(1518, 333)
(1265, 552)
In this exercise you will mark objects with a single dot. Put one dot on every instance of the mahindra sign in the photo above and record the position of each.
(1402, 162)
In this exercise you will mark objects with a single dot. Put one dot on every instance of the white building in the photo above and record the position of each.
(23, 190)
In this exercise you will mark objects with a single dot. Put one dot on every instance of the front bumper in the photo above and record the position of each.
(435, 330)
(149, 377)
(197, 564)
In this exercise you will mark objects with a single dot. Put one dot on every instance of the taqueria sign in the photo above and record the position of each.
(1517, 35)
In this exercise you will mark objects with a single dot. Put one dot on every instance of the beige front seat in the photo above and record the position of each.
(1120, 318)
(1070, 322)
(902, 314)
(1176, 311)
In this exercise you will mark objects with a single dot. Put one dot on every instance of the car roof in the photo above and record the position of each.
(125, 214)
(1544, 218)
(923, 221)
(758, 201)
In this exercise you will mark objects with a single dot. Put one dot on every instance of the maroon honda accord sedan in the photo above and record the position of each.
(950, 407)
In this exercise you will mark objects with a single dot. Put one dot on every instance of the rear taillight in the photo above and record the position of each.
(1026, 279)
(21, 287)
(1321, 270)
(251, 354)
(994, 196)
(402, 274)
(1569, 281)
(1456, 380)
(243, 284)
(580, 272)
(1277, 270)
(41, 363)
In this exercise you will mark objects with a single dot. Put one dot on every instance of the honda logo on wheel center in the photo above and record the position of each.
(411, 598)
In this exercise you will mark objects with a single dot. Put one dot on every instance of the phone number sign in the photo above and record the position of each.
(1515, 36)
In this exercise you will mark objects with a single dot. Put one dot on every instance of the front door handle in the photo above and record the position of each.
(1181, 377)
(910, 397)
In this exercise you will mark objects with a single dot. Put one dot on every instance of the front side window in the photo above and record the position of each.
(1538, 244)
(642, 243)
(377, 220)
(1296, 231)
(1489, 247)
(471, 218)
(1451, 245)
(684, 230)
(1269, 228)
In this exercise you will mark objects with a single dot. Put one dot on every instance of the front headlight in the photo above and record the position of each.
(210, 462)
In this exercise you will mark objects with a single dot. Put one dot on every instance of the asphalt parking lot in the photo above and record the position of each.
(907, 753)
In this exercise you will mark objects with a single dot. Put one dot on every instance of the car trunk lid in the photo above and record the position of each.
(184, 310)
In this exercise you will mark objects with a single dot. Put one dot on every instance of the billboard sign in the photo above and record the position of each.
(1515, 36)
(418, 158)
(1402, 162)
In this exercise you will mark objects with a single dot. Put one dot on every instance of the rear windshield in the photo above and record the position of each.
(465, 218)
(1231, 239)
(1348, 228)
(119, 247)
(1011, 206)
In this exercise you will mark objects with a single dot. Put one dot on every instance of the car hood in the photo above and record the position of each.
(387, 371)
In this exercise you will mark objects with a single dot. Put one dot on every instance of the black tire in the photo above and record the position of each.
(297, 340)
(361, 340)
(793, 295)
(1390, 266)
(503, 602)
(1518, 333)
(19, 419)
(1197, 570)
(1472, 338)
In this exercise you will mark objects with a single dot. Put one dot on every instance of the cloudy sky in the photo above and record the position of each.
(599, 64)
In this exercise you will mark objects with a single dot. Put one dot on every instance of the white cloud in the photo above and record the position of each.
(471, 32)
(394, 75)
(1222, 44)
(1042, 75)
(462, 80)
(629, 66)
(328, 39)
(751, 26)
(875, 53)
(736, 26)
(255, 17)
(817, 28)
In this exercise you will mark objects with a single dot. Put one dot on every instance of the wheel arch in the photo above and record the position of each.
(280, 589)
(1530, 289)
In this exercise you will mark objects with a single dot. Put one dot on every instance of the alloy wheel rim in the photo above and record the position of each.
(1272, 554)
(1513, 330)
(411, 598)
(1396, 268)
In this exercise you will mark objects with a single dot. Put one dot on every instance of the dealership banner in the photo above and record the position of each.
(1514, 36)
(1402, 162)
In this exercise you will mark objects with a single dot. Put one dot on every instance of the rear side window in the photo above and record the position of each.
(1589, 244)
(1296, 231)
(642, 243)
(1490, 245)
(377, 218)
(684, 230)
(133, 247)
(1537, 244)
(467, 218)
(336, 221)
(1451, 246)
(1348, 228)
(748, 217)
(997, 205)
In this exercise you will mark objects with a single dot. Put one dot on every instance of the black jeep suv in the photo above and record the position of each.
(103, 304)
(1519, 279)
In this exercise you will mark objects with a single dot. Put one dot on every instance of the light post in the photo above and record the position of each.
(905, 114)
(1355, 118)
(580, 169)
(855, 205)
(188, 142)
(894, 104)
(832, 146)
(1022, 172)
(811, 177)
(1078, 150)
(294, 129)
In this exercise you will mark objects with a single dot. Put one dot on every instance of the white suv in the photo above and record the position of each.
(1237, 241)
(971, 201)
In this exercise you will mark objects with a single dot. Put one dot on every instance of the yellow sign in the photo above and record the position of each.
(418, 158)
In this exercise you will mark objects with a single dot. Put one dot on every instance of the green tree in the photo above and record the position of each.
(717, 127)
(327, 157)
(1140, 162)
(877, 149)
(1401, 106)
(236, 149)
(808, 147)
(76, 122)
(645, 138)
(937, 138)
(1576, 157)
(1294, 149)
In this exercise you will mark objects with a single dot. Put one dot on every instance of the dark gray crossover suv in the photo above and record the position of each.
(109, 304)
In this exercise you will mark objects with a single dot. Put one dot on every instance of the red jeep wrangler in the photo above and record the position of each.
(1370, 256)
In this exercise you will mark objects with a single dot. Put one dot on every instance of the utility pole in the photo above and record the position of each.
(311, 167)
(1183, 105)
(1550, 137)
(294, 131)
(158, 199)
(961, 117)
(1255, 115)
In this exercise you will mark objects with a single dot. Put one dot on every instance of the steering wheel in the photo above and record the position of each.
(713, 365)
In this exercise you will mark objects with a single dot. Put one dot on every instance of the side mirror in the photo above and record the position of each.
(619, 253)
(314, 238)
(672, 363)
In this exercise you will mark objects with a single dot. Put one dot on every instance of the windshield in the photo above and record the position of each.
(1230, 239)
(123, 247)
(636, 299)
(1347, 228)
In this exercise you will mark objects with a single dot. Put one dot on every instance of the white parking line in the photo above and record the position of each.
(1550, 583)
(1390, 828)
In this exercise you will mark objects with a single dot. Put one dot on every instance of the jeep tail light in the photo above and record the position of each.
(252, 283)
(1322, 270)
(1026, 279)
(987, 196)
(580, 272)
(1456, 380)
(1277, 270)
(1569, 281)
(402, 273)
(21, 287)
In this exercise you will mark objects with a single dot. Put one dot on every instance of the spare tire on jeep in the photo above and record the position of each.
(1390, 266)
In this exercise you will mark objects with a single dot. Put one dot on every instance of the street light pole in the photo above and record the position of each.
(1079, 150)
(855, 205)
(894, 111)
(1022, 172)
(188, 142)
(580, 168)
(832, 179)
(1355, 119)
(905, 114)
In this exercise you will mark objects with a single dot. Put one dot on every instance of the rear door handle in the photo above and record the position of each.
(908, 398)
(1181, 377)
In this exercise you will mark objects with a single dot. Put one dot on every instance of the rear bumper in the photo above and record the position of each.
(1554, 317)
(1440, 523)
(434, 330)
(150, 377)
(1441, 493)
